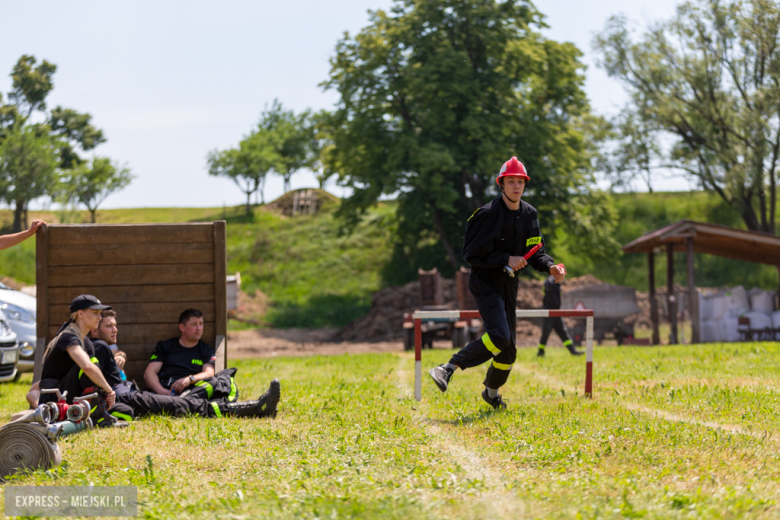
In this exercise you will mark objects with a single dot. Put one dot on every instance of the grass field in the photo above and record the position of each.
(672, 432)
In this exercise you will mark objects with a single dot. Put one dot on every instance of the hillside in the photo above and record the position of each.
(314, 277)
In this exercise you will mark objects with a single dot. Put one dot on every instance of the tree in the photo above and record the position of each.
(67, 130)
(28, 168)
(248, 164)
(293, 135)
(708, 79)
(435, 96)
(90, 184)
(637, 152)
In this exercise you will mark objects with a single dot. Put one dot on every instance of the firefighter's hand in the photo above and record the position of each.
(181, 385)
(110, 399)
(557, 273)
(517, 262)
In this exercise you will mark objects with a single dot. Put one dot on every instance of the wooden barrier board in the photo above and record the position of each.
(149, 274)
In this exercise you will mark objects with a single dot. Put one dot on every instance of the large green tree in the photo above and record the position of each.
(91, 183)
(434, 96)
(707, 81)
(63, 129)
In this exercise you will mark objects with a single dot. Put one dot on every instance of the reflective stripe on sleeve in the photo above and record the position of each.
(217, 411)
(489, 345)
(94, 360)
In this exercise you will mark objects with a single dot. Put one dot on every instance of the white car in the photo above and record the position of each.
(18, 310)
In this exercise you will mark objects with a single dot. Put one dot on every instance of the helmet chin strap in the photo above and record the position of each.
(507, 196)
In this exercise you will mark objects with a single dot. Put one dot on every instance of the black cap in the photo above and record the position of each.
(87, 301)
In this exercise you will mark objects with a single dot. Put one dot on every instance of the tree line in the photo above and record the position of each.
(40, 149)
(435, 95)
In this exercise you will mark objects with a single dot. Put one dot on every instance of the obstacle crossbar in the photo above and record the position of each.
(420, 316)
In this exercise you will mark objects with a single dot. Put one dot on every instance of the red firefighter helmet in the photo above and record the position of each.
(512, 168)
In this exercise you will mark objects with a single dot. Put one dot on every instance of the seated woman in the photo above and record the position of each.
(69, 363)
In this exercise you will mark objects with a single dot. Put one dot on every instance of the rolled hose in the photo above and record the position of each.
(27, 446)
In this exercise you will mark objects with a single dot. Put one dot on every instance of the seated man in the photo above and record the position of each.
(175, 371)
(180, 362)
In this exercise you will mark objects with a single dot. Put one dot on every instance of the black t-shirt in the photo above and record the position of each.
(180, 361)
(107, 362)
(58, 363)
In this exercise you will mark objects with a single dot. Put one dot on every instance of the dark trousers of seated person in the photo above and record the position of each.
(75, 383)
(148, 403)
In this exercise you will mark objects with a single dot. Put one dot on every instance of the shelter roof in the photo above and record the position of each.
(713, 239)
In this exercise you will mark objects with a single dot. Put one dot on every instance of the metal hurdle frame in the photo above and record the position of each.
(420, 316)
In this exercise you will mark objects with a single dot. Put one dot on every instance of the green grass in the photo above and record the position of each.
(672, 432)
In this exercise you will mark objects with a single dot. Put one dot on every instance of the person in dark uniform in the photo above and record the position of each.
(497, 236)
(552, 300)
(183, 367)
(70, 364)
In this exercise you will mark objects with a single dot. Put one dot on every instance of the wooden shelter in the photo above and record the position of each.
(699, 237)
(149, 273)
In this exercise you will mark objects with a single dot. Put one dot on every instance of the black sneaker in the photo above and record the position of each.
(496, 402)
(540, 352)
(441, 375)
(573, 350)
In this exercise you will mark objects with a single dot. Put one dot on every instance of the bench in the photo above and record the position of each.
(149, 273)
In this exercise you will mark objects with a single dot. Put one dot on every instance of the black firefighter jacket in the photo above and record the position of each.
(494, 233)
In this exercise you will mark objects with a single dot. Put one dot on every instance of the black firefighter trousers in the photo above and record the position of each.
(497, 301)
(144, 404)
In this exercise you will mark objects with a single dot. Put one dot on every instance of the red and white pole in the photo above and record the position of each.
(418, 359)
(589, 356)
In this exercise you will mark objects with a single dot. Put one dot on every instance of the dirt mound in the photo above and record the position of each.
(388, 306)
(383, 322)
(284, 204)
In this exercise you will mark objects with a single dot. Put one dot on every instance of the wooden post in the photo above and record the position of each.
(220, 284)
(651, 296)
(693, 295)
(671, 300)
(41, 294)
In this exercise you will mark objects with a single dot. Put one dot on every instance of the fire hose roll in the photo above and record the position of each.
(26, 446)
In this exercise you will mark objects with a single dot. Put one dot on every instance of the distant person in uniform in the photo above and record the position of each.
(552, 300)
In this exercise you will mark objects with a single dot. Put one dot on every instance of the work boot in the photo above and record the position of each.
(540, 352)
(573, 349)
(263, 407)
(441, 375)
(496, 402)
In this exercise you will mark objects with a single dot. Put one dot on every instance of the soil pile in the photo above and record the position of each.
(384, 321)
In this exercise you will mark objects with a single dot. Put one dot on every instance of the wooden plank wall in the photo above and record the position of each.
(149, 273)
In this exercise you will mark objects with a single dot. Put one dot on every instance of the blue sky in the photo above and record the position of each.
(170, 81)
